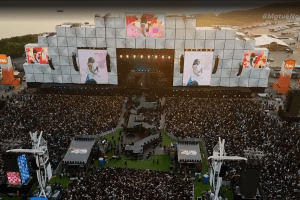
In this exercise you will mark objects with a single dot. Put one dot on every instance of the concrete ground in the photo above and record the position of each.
(279, 56)
(14, 91)
(157, 151)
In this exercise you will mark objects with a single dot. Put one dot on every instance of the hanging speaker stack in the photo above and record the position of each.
(216, 65)
(75, 62)
(51, 64)
(181, 64)
(108, 63)
(240, 70)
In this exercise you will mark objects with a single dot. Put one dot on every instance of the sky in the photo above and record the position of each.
(19, 18)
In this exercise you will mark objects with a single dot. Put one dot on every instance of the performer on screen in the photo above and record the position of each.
(252, 61)
(92, 76)
(196, 74)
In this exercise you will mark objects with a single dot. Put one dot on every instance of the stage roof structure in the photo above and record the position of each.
(188, 153)
(79, 151)
(266, 40)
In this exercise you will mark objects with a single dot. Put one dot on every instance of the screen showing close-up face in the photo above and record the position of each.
(93, 68)
(197, 68)
(14, 178)
(37, 55)
(145, 25)
(255, 59)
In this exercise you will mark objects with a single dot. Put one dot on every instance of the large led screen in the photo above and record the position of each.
(255, 59)
(37, 55)
(13, 178)
(197, 68)
(145, 25)
(93, 69)
(24, 169)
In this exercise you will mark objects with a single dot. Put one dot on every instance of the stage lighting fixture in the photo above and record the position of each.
(120, 56)
(163, 57)
(155, 56)
(142, 56)
(169, 57)
(134, 56)
(127, 56)
(148, 56)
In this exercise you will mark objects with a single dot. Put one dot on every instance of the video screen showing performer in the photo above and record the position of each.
(197, 68)
(37, 55)
(145, 25)
(93, 69)
(255, 59)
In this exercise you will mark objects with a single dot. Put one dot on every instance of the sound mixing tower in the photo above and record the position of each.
(249, 179)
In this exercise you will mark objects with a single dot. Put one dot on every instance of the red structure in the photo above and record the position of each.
(7, 72)
(283, 85)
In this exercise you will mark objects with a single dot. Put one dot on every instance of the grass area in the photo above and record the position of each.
(226, 192)
(5, 197)
(164, 163)
(115, 134)
(205, 166)
(166, 139)
(64, 181)
(199, 187)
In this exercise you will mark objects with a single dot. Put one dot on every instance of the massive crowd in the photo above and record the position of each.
(124, 183)
(60, 117)
(243, 123)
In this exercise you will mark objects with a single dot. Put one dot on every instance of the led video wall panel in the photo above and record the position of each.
(13, 178)
(37, 55)
(93, 68)
(24, 169)
(197, 68)
(255, 59)
(17, 169)
(145, 25)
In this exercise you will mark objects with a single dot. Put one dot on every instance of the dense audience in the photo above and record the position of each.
(124, 183)
(60, 117)
(243, 123)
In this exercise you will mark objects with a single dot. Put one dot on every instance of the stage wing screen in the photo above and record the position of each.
(255, 59)
(37, 55)
(93, 68)
(145, 25)
(197, 68)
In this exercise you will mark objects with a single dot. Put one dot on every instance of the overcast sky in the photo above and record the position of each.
(33, 17)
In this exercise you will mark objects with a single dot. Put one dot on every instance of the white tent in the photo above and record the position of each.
(266, 40)
(270, 43)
